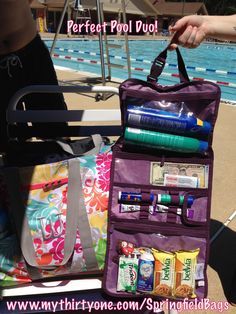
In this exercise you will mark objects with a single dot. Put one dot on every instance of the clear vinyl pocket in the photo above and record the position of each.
(177, 282)
(181, 123)
(181, 104)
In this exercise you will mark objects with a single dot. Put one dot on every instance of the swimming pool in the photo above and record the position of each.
(209, 61)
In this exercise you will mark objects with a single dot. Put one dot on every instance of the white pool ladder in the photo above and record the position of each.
(122, 18)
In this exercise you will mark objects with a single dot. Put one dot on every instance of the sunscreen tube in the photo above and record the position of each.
(166, 121)
(165, 141)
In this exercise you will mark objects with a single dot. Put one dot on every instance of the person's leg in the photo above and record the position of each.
(10, 78)
(3, 125)
(30, 65)
(38, 70)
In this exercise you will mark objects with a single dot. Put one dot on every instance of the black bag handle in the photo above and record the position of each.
(159, 64)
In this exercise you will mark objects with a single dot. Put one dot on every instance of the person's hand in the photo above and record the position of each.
(189, 32)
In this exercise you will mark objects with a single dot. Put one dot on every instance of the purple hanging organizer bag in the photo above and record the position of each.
(161, 186)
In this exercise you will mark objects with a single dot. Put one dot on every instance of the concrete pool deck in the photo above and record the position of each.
(223, 250)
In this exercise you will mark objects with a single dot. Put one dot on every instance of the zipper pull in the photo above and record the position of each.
(162, 161)
(124, 95)
(111, 228)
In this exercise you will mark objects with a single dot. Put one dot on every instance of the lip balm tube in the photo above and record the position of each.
(133, 197)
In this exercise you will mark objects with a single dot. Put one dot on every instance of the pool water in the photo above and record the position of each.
(208, 56)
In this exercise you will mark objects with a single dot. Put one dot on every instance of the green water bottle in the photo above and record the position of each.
(165, 141)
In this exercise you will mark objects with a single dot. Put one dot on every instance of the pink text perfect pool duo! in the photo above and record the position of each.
(114, 27)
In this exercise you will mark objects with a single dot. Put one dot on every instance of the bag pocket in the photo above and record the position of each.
(173, 205)
(138, 173)
(160, 121)
(164, 238)
(200, 104)
(161, 171)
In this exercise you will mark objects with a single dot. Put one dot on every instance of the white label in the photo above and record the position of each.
(180, 181)
(199, 274)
